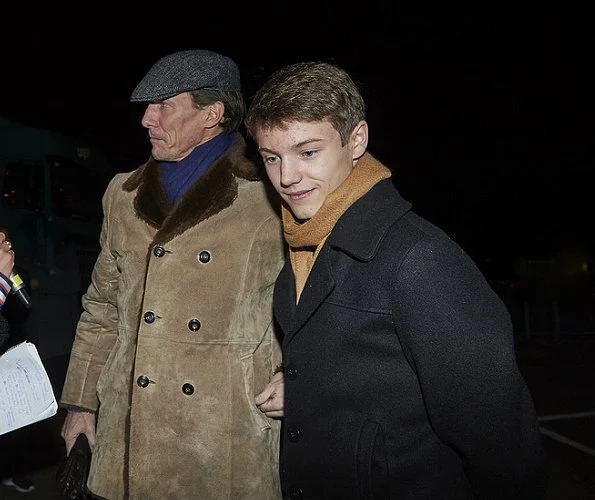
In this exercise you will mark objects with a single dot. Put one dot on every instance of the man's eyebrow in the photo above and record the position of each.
(295, 146)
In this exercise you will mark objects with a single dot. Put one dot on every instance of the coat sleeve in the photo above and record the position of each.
(459, 340)
(266, 260)
(96, 330)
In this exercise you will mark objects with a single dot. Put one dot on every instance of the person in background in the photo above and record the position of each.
(176, 339)
(401, 378)
(6, 266)
(11, 456)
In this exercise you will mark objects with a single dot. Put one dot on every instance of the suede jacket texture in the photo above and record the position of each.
(401, 379)
(176, 338)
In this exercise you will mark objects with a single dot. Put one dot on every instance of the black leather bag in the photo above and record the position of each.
(73, 472)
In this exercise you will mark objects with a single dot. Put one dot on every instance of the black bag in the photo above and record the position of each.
(73, 472)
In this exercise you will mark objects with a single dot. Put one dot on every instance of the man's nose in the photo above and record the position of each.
(148, 119)
(290, 173)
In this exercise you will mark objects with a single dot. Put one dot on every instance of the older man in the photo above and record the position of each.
(176, 338)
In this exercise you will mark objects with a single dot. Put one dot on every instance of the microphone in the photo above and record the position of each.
(18, 288)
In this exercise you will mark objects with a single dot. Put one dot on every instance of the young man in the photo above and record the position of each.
(176, 338)
(400, 374)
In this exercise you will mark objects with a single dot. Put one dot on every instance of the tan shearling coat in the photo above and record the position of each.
(176, 338)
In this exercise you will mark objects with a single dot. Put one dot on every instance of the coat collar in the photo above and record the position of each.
(360, 230)
(211, 193)
(359, 233)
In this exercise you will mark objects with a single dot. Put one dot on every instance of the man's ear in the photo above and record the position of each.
(359, 140)
(216, 114)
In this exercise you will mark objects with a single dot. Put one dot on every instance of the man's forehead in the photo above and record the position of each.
(178, 99)
(295, 134)
(295, 127)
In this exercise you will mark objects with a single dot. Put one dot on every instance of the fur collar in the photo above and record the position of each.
(211, 193)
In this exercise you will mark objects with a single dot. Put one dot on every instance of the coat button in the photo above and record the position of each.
(291, 372)
(294, 434)
(296, 493)
(194, 325)
(149, 317)
(158, 251)
(204, 256)
(142, 381)
(188, 389)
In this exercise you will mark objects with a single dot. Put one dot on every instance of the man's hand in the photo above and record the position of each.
(6, 255)
(270, 400)
(75, 423)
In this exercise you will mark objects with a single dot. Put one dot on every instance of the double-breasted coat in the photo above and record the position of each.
(176, 338)
(400, 372)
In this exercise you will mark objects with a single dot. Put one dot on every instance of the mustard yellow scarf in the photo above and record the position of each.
(306, 239)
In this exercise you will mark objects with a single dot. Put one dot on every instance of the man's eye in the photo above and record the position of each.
(309, 153)
(270, 159)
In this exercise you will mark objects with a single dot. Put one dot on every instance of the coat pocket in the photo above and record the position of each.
(253, 382)
(372, 467)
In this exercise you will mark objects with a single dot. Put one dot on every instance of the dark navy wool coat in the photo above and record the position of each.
(401, 379)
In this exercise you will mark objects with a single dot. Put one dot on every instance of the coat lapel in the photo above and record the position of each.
(284, 298)
(318, 286)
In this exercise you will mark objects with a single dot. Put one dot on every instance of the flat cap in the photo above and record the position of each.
(185, 71)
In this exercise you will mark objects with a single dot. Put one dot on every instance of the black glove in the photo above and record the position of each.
(73, 472)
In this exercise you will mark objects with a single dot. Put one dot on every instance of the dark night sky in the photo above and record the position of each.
(485, 117)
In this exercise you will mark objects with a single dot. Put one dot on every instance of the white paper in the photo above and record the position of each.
(26, 394)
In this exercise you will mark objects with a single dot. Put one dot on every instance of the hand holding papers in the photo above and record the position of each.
(26, 394)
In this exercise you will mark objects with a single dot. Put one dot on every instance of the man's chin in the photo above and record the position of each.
(158, 155)
(299, 214)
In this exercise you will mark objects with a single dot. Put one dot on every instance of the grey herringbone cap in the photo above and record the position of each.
(185, 71)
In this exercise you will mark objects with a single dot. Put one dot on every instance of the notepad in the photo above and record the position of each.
(26, 393)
